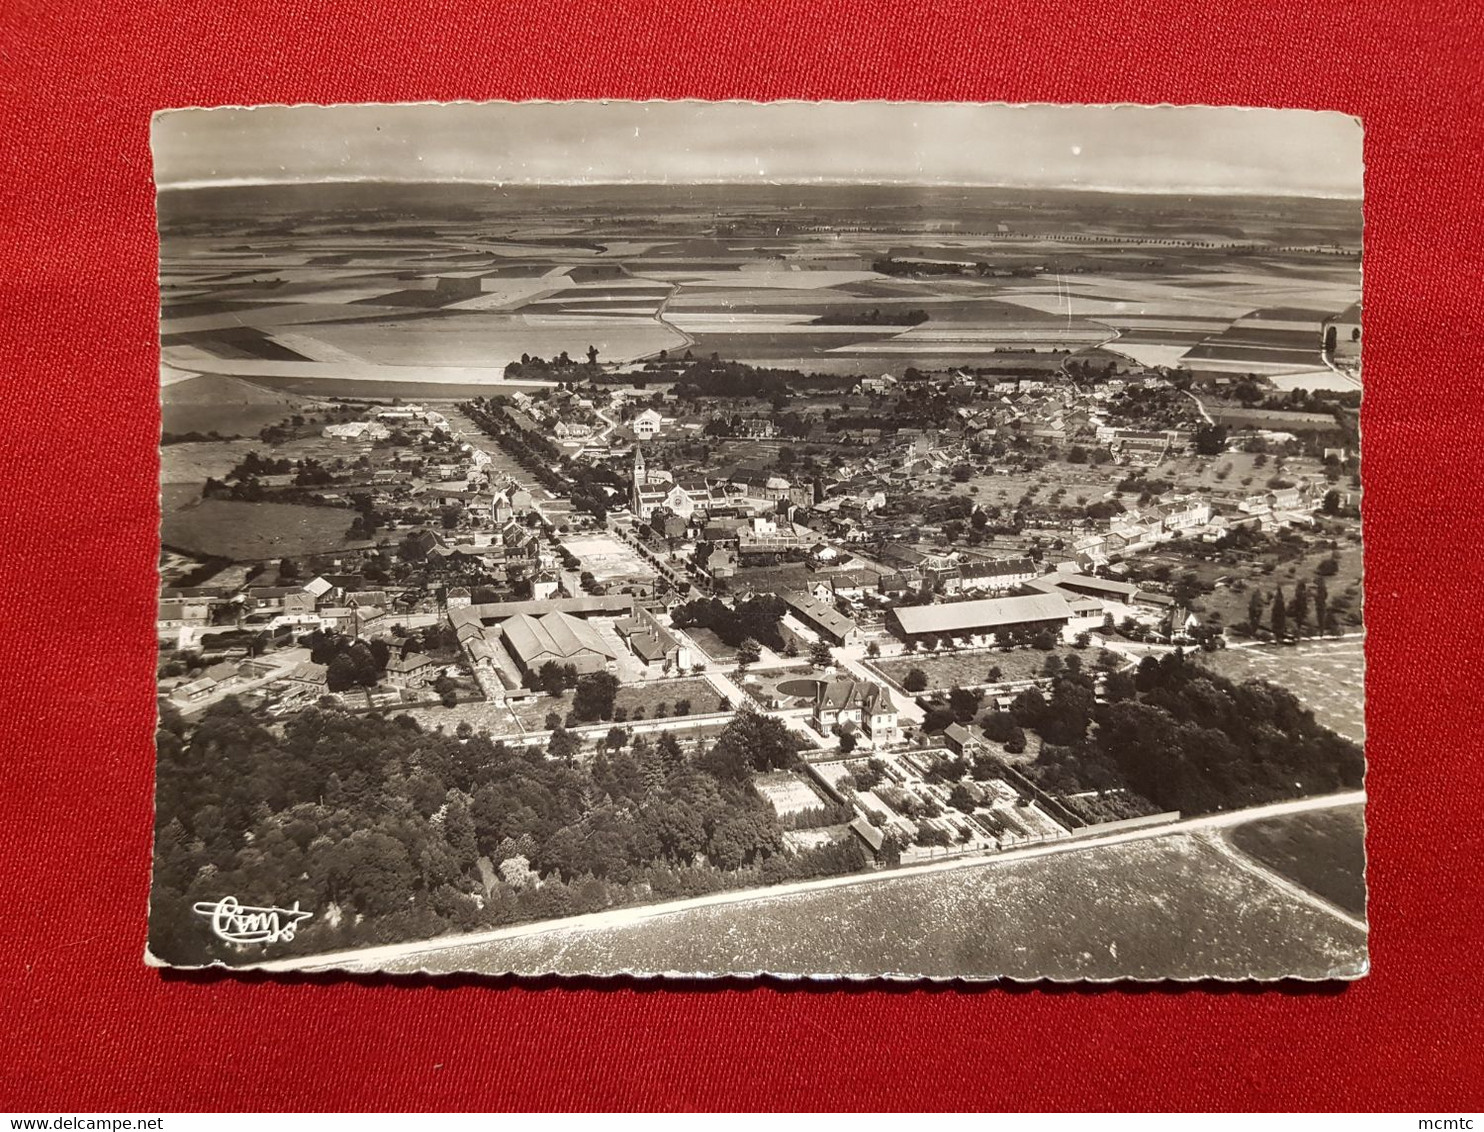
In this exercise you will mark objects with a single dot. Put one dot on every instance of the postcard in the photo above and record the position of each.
(828, 540)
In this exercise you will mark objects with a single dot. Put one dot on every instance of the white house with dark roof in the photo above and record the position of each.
(862, 706)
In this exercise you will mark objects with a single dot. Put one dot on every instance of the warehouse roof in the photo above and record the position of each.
(554, 635)
(966, 616)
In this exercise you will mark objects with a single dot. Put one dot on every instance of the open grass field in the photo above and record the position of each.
(1167, 907)
(1328, 676)
(226, 528)
(1322, 850)
(715, 648)
(631, 697)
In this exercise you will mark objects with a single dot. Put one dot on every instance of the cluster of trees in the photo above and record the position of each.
(700, 379)
(351, 663)
(1308, 611)
(535, 366)
(1181, 737)
(389, 832)
(757, 619)
(873, 317)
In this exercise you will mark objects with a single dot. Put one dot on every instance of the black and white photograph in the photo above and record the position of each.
(847, 540)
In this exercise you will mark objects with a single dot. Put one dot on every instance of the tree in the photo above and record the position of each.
(964, 703)
(1321, 605)
(1254, 610)
(748, 652)
(1279, 615)
(341, 673)
(594, 695)
(1300, 608)
(563, 745)
(1210, 440)
(995, 674)
(915, 681)
(553, 678)
(962, 798)
(873, 650)
(751, 742)
(820, 655)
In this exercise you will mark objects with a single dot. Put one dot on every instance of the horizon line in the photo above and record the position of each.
(817, 182)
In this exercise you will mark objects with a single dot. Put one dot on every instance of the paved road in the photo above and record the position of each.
(375, 957)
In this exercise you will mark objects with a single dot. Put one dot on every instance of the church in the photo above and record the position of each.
(650, 488)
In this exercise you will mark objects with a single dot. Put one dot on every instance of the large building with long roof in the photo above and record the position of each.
(533, 641)
(992, 615)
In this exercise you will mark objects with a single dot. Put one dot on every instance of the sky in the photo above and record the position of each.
(1186, 149)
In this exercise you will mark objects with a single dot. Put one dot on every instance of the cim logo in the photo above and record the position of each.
(239, 923)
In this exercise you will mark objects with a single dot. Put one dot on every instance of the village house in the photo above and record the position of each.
(863, 706)
(826, 620)
(411, 671)
(998, 574)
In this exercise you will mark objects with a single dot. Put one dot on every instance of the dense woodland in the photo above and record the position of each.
(1181, 736)
(391, 833)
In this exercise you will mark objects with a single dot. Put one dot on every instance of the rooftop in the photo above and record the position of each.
(987, 614)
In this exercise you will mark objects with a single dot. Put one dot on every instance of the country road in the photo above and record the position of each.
(372, 958)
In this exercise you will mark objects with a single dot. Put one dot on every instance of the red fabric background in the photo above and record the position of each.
(88, 1027)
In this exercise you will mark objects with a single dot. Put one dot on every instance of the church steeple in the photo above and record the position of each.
(640, 475)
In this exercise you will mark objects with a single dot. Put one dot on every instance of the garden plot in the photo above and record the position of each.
(787, 793)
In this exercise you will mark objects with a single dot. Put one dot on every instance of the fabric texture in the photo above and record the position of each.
(89, 1028)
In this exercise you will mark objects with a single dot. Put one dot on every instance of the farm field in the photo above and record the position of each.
(631, 697)
(370, 304)
(1164, 907)
(963, 669)
(1322, 850)
(196, 462)
(1327, 676)
(487, 339)
(226, 528)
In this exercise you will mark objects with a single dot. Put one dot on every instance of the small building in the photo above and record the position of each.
(872, 837)
(959, 739)
(824, 619)
(1340, 334)
(194, 692)
(411, 671)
